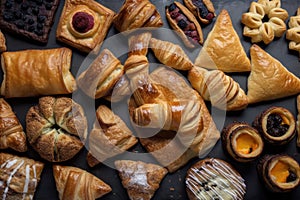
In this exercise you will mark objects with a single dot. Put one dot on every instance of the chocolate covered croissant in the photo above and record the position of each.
(203, 9)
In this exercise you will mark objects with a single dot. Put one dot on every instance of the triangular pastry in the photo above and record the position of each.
(140, 179)
(269, 79)
(223, 49)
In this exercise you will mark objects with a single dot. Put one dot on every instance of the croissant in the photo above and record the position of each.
(293, 33)
(76, 184)
(2, 42)
(203, 9)
(170, 54)
(217, 87)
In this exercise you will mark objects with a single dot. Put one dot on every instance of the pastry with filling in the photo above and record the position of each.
(73, 183)
(203, 9)
(293, 33)
(19, 177)
(84, 24)
(140, 179)
(269, 79)
(222, 49)
(11, 131)
(2, 42)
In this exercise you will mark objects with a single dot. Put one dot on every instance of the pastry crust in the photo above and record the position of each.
(2, 42)
(269, 79)
(90, 40)
(11, 131)
(220, 52)
(37, 72)
(197, 11)
(293, 33)
(298, 121)
(139, 43)
(76, 184)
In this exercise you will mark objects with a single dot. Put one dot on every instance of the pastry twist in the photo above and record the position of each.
(293, 33)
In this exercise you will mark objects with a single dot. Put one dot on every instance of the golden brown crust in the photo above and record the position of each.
(2, 42)
(196, 11)
(37, 72)
(293, 32)
(92, 39)
(138, 44)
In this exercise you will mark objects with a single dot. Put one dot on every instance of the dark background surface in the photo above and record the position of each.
(173, 186)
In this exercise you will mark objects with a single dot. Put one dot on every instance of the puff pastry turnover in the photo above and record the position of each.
(37, 72)
(269, 79)
(84, 24)
(2, 42)
(222, 49)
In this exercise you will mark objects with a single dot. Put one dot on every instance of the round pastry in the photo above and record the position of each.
(257, 29)
(55, 128)
(242, 142)
(277, 125)
(214, 179)
(279, 173)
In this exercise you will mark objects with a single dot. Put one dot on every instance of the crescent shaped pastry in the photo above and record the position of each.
(84, 24)
(37, 72)
(203, 9)
(269, 79)
(2, 42)
(222, 49)
(73, 183)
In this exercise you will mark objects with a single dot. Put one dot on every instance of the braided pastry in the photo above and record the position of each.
(293, 33)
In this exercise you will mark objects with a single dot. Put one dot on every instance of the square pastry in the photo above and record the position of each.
(84, 24)
(29, 19)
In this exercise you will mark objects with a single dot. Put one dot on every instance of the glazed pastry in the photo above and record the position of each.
(203, 9)
(277, 125)
(109, 137)
(257, 29)
(139, 44)
(37, 72)
(100, 77)
(213, 178)
(56, 144)
(269, 79)
(242, 142)
(279, 173)
(185, 24)
(2, 42)
(219, 52)
(170, 54)
(19, 177)
(140, 179)
(137, 14)
(217, 87)
(74, 183)
(298, 121)
(120, 91)
(11, 131)
(84, 24)
(293, 33)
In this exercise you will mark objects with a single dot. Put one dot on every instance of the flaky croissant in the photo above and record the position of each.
(217, 87)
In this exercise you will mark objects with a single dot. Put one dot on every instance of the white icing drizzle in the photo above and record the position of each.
(138, 176)
(9, 163)
(27, 179)
(1, 183)
(215, 181)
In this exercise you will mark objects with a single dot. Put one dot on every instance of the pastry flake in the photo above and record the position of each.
(2, 42)
(293, 33)
(84, 24)
(222, 49)
(203, 9)
(269, 79)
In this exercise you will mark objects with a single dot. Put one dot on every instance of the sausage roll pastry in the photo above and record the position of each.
(11, 131)
(185, 24)
(220, 52)
(203, 9)
(19, 177)
(269, 79)
(84, 24)
(73, 183)
(137, 14)
(140, 179)
(2, 42)
(37, 72)
(293, 33)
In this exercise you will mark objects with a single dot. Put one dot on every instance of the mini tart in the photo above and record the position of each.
(279, 173)
(213, 178)
(242, 142)
(203, 9)
(277, 125)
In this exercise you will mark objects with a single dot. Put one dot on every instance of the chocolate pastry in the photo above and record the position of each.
(279, 173)
(61, 143)
(293, 33)
(213, 178)
(11, 131)
(84, 24)
(29, 19)
(185, 24)
(277, 125)
(19, 177)
(2, 42)
(203, 9)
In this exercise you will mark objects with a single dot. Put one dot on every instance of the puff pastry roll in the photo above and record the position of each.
(110, 136)
(220, 52)
(170, 54)
(84, 24)
(203, 9)
(76, 184)
(269, 79)
(19, 177)
(2, 42)
(37, 72)
(11, 131)
(140, 179)
(137, 14)
(293, 33)
(217, 87)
